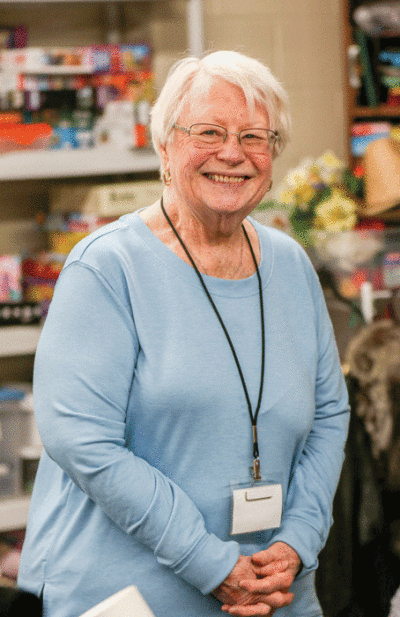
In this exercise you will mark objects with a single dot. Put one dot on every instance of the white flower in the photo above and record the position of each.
(330, 168)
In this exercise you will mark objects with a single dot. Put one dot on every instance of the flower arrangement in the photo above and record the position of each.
(319, 195)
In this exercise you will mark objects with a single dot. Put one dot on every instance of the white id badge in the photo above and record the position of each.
(256, 506)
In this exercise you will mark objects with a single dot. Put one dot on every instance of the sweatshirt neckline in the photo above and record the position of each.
(218, 286)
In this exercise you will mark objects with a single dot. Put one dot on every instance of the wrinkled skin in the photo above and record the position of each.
(260, 584)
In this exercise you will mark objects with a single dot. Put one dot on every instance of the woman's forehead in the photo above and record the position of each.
(220, 101)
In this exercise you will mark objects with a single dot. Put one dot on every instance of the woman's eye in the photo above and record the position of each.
(251, 136)
(210, 132)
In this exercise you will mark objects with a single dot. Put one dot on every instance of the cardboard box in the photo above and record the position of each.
(106, 200)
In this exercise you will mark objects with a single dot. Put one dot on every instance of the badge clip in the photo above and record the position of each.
(255, 470)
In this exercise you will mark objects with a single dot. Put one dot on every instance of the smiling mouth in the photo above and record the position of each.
(226, 179)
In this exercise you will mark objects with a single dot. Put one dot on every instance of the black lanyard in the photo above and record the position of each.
(253, 417)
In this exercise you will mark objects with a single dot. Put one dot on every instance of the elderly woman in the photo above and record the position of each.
(187, 385)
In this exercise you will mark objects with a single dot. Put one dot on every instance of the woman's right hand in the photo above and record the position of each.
(238, 601)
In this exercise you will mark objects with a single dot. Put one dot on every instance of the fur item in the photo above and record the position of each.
(373, 357)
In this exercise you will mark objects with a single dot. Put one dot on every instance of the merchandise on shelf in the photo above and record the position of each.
(105, 200)
(20, 446)
(40, 273)
(15, 309)
(18, 136)
(10, 278)
(88, 95)
(391, 270)
(389, 69)
(382, 178)
(363, 133)
(40, 59)
(20, 313)
(13, 37)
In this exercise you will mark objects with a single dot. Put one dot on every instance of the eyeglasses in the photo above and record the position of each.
(212, 136)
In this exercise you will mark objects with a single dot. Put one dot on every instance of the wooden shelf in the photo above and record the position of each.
(103, 160)
(14, 513)
(18, 340)
(372, 112)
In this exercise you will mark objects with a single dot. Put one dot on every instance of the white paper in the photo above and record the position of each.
(128, 602)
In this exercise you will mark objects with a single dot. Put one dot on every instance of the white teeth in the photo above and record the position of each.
(226, 179)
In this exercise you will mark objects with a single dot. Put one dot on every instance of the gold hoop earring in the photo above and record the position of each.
(270, 186)
(167, 177)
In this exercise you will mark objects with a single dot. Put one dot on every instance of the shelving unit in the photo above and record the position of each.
(356, 112)
(382, 111)
(47, 165)
(103, 160)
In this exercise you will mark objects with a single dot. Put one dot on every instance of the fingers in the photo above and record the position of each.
(279, 599)
(269, 584)
(278, 552)
(263, 558)
(249, 610)
(275, 567)
(266, 607)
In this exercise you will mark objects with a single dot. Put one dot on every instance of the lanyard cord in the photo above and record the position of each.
(252, 418)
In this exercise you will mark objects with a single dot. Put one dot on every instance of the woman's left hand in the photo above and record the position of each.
(276, 568)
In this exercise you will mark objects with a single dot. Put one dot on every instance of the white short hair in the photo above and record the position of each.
(195, 75)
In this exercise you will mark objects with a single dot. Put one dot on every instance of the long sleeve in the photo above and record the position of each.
(84, 369)
(307, 517)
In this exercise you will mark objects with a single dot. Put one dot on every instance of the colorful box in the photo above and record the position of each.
(10, 278)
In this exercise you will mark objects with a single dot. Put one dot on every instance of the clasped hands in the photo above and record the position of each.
(260, 584)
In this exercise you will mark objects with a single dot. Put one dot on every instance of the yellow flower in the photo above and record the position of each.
(328, 159)
(303, 195)
(286, 197)
(336, 213)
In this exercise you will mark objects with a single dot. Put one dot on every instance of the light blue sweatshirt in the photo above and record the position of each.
(145, 424)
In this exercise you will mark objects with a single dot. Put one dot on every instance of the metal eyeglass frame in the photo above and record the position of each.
(274, 134)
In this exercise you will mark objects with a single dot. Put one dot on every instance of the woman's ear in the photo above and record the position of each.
(163, 154)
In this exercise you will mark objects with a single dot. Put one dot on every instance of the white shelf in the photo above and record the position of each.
(14, 513)
(18, 340)
(103, 160)
(58, 70)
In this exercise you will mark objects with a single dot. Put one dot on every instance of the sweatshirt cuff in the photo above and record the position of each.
(305, 540)
(209, 564)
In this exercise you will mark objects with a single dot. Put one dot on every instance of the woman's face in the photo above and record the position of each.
(199, 177)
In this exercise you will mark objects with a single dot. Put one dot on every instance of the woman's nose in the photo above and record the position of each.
(231, 150)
